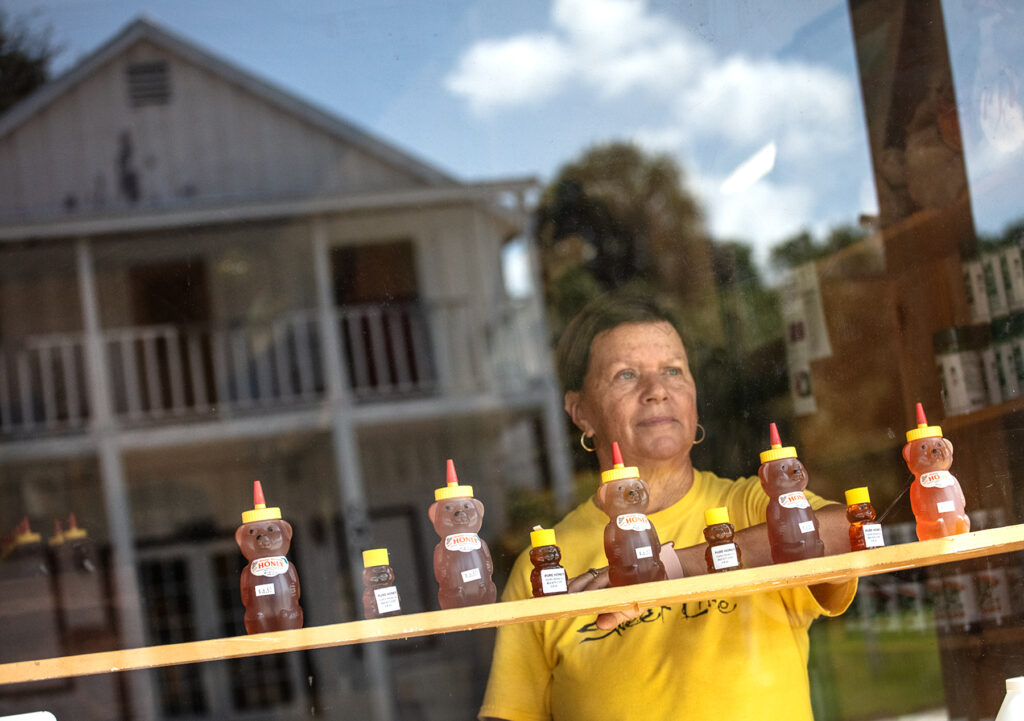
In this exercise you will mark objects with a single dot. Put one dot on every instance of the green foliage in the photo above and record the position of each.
(618, 216)
(803, 248)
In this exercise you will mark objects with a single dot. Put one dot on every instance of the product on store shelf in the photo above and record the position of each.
(958, 358)
(79, 585)
(1008, 343)
(630, 540)
(29, 626)
(722, 553)
(792, 524)
(547, 577)
(995, 286)
(462, 560)
(380, 595)
(990, 575)
(935, 495)
(270, 583)
(864, 532)
(1012, 708)
(974, 288)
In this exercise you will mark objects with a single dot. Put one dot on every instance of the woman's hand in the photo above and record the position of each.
(598, 578)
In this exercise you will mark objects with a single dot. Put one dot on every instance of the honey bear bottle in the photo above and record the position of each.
(547, 577)
(462, 560)
(79, 584)
(380, 595)
(935, 495)
(630, 540)
(864, 533)
(792, 525)
(722, 553)
(270, 583)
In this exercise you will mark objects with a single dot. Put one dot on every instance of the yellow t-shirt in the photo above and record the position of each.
(740, 658)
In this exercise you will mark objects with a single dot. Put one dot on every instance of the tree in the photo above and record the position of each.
(803, 248)
(25, 58)
(619, 216)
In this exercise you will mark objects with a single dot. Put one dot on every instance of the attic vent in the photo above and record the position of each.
(149, 83)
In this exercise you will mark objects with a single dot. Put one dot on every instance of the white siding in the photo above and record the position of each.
(214, 141)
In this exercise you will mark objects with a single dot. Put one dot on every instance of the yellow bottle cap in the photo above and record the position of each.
(452, 489)
(619, 470)
(855, 496)
(74, 532)
(58, 534)
(714, 516)
(776, 452)
(542, 537)
(25, 534)
(923, 430)
(259, 511)
(375, 557)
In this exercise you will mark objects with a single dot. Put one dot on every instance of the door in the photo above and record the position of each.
(384, 324)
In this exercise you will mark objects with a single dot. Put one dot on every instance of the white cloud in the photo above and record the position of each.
(522, 70)
(613, 46)
(763, 214)
(806, 109)
(699, 105)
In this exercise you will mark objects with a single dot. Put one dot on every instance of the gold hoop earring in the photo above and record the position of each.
(583, 442)
(703, 435)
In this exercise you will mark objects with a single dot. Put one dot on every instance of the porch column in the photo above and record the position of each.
(553, 413)
(131, 626)
(348, 468)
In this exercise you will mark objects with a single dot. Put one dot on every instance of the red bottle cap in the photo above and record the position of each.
(619, 470)
(452, 489)
(259, 511)
(923, 430)
(776, 451)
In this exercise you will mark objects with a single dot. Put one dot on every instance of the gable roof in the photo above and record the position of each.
(144, 29)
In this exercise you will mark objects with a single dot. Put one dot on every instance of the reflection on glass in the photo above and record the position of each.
(331, 247)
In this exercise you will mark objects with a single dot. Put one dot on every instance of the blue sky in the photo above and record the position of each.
(487, 89)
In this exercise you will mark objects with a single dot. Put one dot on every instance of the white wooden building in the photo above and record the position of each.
(205, 280)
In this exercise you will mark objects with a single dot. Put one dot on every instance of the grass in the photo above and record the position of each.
(867, 671)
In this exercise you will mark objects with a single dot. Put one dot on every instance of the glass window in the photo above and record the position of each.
(332, 248)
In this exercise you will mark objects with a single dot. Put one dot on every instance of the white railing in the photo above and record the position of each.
(168, 372)
(43, 385)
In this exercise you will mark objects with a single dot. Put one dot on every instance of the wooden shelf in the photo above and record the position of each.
(723, 585)
(988, 413)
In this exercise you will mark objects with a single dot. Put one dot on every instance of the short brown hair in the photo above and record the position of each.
(604, 312)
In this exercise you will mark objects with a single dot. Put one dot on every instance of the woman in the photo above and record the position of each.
(625, 369)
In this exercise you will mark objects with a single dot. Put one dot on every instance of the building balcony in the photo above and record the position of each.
(169, 374)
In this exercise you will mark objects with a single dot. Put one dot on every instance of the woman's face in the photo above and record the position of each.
(638, 391)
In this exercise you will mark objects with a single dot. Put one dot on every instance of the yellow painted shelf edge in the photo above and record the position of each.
(722, 585)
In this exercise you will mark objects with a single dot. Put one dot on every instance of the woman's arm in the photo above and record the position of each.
(833, 528)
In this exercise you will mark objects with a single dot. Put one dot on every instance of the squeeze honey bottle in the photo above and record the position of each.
(864, 532)
(270, 583)
(380, 595)
(462, 560)
(935, 495)
(792, 524)
(630, 540)
(547, 577)
(722, 553)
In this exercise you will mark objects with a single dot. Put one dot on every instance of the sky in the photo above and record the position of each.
(758, 102)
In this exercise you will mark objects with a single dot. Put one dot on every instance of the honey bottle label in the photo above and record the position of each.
(464, 542)
(269, 567)
(632, 522)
